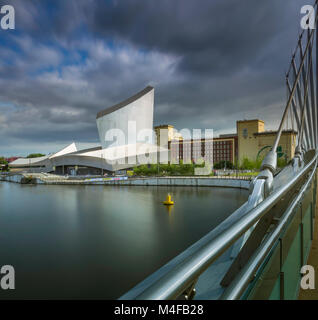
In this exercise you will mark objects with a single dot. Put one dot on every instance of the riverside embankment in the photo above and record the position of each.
(39, 178)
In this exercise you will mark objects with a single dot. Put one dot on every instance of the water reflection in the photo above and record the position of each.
(169, 209)
(97, 242)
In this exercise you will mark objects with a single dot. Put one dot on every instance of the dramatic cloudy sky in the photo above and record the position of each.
(211, 62)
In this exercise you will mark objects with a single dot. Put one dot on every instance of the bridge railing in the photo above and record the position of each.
(272, 198)
(273, 271)
(180, 279)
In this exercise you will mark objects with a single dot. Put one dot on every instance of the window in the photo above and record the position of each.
(245, 133)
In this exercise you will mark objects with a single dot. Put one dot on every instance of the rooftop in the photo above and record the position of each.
(228, 135)
(164, 126)
(272, 132)
(124, 103)
(252, 120)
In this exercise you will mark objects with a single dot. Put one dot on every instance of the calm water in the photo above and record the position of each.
(98, 242)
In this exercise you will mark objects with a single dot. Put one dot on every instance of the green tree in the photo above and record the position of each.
(223, 164)
(35, 155)
(3, 161)
(281, 162)
(3, 164)
(136, 171)
(247, 164)
(258, 163)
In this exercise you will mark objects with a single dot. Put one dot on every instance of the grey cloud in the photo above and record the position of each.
(211, 62)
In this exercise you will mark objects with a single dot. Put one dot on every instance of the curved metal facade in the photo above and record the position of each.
(137, 111)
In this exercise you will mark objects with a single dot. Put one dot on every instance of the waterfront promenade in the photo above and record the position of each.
(192, 181)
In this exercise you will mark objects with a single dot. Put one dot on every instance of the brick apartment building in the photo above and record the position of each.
(211, 150)
(250, 141)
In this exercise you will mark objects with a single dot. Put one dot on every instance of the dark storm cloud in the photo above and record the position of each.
(211, 62)
(208, 34)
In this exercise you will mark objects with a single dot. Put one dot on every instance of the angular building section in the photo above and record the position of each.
(126, 140)
(42, 164)
(135, 113)
(125, 132)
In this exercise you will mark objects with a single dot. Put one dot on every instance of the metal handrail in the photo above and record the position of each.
(176, 281)
(179, 278)
(243, 278)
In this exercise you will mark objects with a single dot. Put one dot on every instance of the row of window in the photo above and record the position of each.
(229, 152)
(227, 147)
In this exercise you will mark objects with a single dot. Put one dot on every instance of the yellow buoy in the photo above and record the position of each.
(168, 201)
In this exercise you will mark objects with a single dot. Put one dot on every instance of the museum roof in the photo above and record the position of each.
(125, 102)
